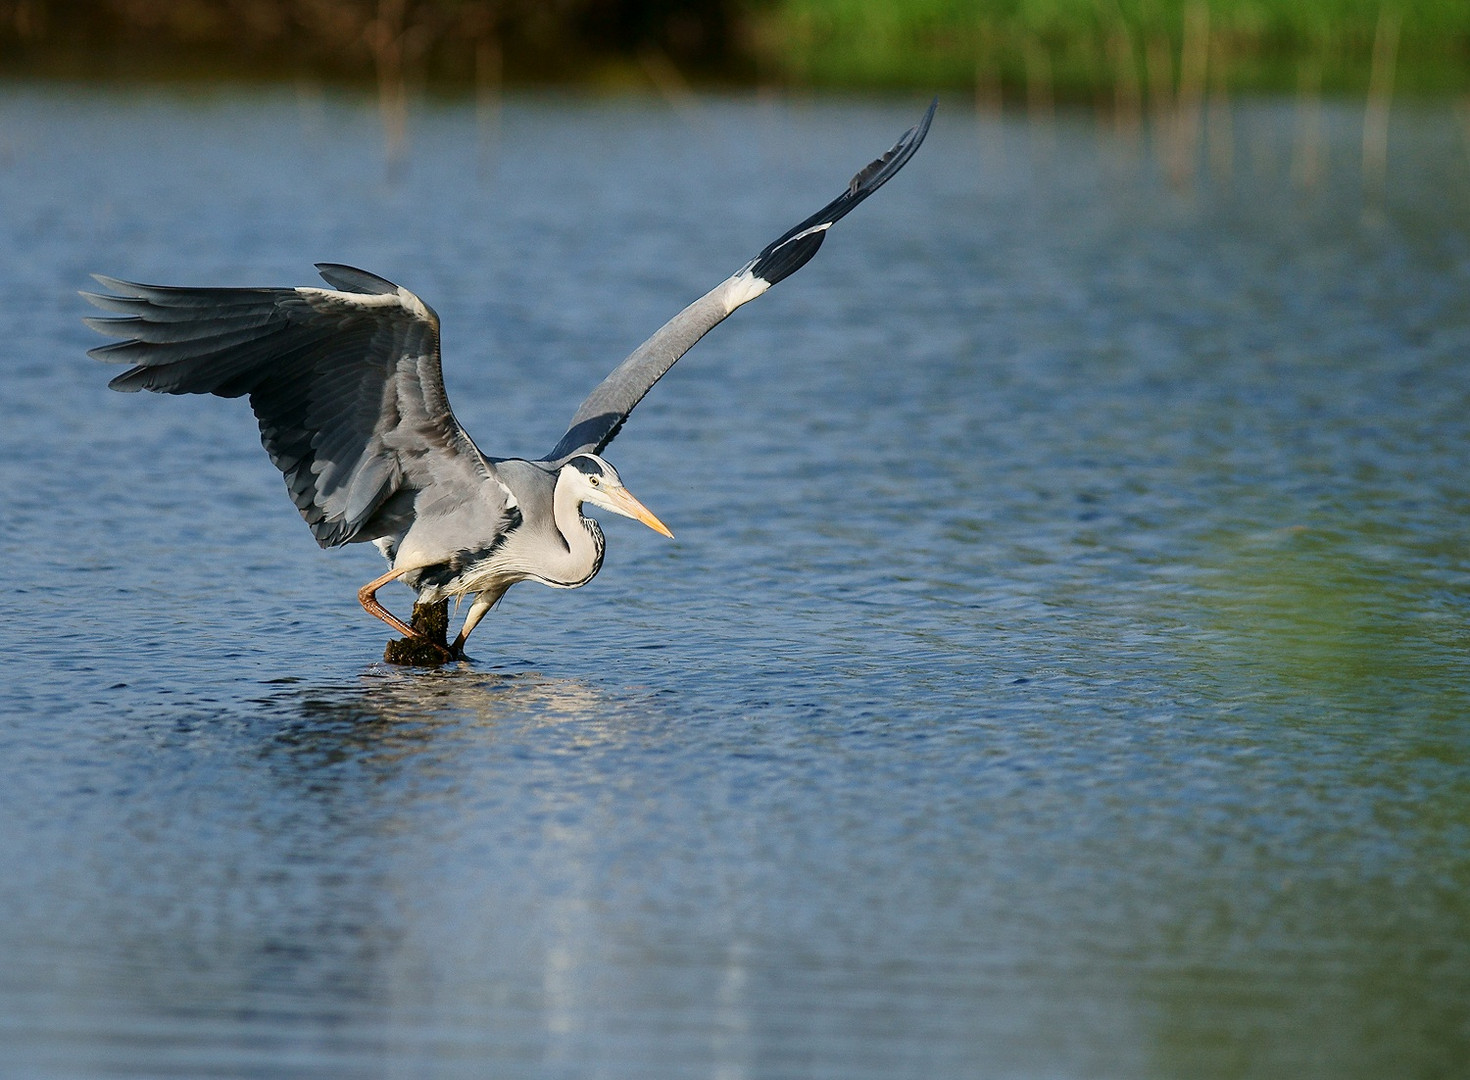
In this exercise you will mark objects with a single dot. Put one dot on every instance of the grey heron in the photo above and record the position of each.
(347, 387)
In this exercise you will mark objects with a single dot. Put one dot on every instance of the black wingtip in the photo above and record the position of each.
(796, 247)
(788, 255)
(878, 173)
(351, 279)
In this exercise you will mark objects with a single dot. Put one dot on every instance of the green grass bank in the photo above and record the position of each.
(1052, 50)
(1079, 49)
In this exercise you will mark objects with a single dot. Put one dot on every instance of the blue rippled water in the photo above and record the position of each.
(1061, 669)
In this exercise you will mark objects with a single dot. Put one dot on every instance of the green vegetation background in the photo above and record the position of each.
(1067, 49)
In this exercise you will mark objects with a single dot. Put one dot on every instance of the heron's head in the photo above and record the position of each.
(591, 479)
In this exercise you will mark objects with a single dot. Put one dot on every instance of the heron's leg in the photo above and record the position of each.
(367, 596)
(482, 603)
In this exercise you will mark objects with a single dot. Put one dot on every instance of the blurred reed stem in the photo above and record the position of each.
(1380, 97)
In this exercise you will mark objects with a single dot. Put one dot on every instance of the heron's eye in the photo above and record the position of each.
(595, 481)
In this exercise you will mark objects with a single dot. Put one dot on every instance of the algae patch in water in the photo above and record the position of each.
(430, 650)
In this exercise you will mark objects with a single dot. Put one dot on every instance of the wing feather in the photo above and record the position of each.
(345, 383)
(601, 416)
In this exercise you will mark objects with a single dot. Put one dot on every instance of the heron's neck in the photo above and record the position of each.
(581, 535)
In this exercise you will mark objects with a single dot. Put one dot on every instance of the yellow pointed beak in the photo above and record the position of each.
(623, 502)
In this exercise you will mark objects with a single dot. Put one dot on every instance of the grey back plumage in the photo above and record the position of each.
(346, 386)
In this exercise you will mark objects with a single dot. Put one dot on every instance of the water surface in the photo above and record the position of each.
(1061, 669)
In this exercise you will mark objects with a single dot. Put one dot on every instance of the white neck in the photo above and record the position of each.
(583, 539)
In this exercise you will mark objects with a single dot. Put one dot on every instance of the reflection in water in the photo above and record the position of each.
(525, 947)
(394, 713)
(1357, 616)
(1334, 1004)
(1339, 653)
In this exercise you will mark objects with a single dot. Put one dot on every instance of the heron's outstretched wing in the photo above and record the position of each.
(602, 414)
(345, 382)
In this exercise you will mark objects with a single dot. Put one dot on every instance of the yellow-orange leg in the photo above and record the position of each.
(367, 596)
